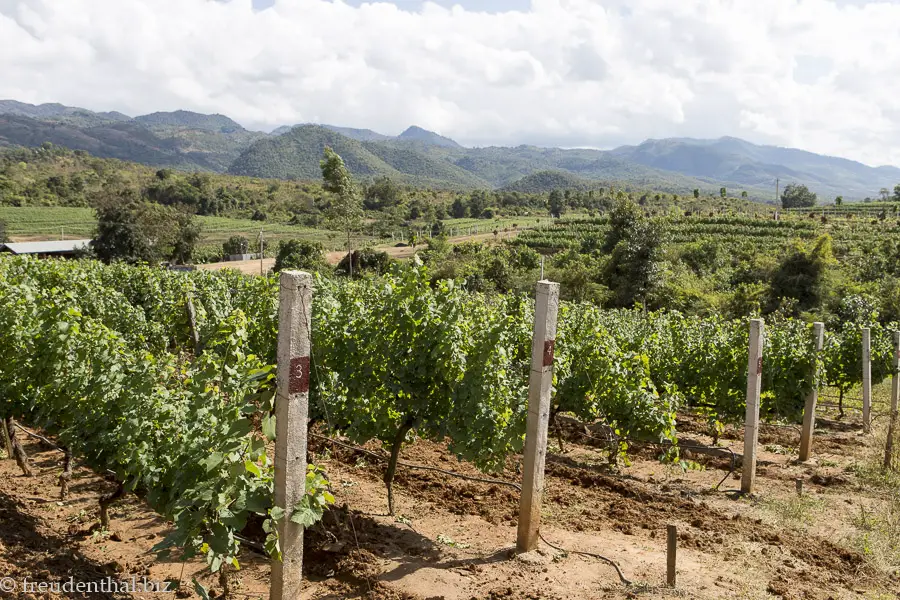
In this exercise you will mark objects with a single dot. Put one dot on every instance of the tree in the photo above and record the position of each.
(797, 196)
(635, 266)
(723, 192)
(382, 193)
(186, 236)
(135, 231)
(366, 259)
(802, 276)
(236, 244)
(300, 254)
(839, 200)
(557, 206)
(696, 193)
(346, 207)
(885, 194)
(744, 194)
(459, 209)
(478, 202)
(897, 193)
(3, 237)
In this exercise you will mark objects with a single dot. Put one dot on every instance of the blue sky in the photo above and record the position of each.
(814, 74)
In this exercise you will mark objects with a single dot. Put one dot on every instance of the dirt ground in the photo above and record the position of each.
(453, 539)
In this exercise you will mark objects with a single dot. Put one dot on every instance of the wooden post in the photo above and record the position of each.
(809, 414)
(7, 443)
(539, 383)
(895, 399)
(262, 252)
(671, 552)
(291, 411)
(751, 422)
(867, 377)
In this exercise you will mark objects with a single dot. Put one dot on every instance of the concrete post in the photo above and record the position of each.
(751, 422)
(809, 413)
(867, 377)
(291, 410)
(540, 380)
(895, 399)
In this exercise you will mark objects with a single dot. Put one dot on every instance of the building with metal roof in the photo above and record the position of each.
(49, 248)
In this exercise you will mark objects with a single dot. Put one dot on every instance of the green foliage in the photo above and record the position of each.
(346, 206)
(797, 196)
(3, 235)
(134, 231)
(634, 267)
(84, 351)
(300, 254)
(555, 203)
(382, 193)
(236, 244)
(802, 275)
(364, 260)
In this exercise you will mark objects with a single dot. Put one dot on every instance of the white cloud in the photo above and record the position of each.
(817, 74)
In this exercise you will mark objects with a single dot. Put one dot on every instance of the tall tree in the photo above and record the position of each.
(696, 193)
(557, 205)
(459, 209)
(897, 193)
(723, 192)
(802, 276)
(346, 206)
(2, 231)
(884, 193)
(839, 200)
(634, 269)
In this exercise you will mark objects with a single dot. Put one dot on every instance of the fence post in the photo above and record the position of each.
(895, 398)
(291, 410)
(809, 414)
(671, 554)
(867, 377)
(539, 382)
(751, 421)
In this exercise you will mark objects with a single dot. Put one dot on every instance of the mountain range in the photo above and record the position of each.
(193, 141)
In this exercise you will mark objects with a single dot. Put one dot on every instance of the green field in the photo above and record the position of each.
(56, 222)
(35, 223)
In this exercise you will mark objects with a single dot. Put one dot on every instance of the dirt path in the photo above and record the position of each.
(453, 539)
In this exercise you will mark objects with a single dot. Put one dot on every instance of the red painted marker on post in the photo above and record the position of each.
(549, 346)
(299, 376)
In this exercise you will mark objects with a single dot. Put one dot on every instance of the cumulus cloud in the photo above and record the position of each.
(815, 74)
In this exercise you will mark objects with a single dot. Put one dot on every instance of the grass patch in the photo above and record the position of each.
(878, 533)
(794, 510)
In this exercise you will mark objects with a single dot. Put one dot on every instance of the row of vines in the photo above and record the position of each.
(165, 380)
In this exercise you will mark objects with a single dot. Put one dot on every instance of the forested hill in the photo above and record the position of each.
(193, 141)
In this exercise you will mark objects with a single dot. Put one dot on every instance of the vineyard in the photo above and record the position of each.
(735, 231)
(164, 382)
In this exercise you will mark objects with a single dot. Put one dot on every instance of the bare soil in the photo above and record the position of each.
(453, 539)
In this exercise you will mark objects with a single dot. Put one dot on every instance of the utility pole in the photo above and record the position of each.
(777, 188)
(261, 248)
